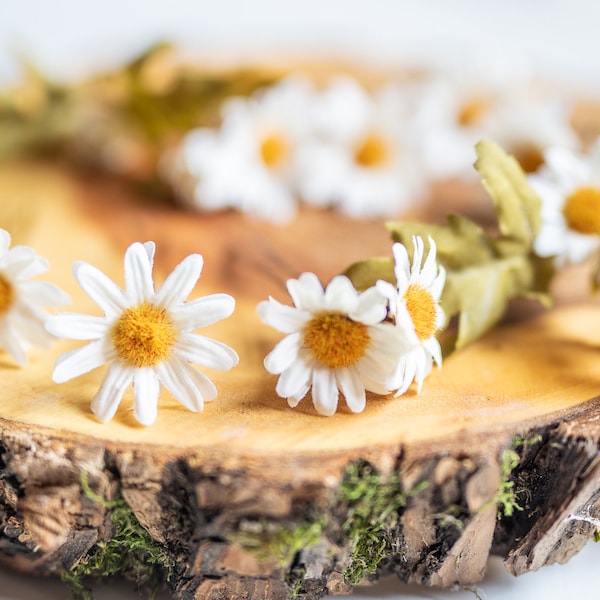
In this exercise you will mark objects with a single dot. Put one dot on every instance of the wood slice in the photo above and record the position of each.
(252, 499)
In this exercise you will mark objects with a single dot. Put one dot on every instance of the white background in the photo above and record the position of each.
(561, 38)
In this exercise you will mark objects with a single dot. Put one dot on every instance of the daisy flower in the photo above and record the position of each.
(414, 305)
(450, 109)
(146, 335)
(336, 342)
(359, 159)
(529, 125)
(247, 163)
(569, 187)
(22, 301)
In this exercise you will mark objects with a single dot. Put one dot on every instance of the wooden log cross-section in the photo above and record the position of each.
(499, 454)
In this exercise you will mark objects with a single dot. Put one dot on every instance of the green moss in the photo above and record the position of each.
(597, 536)
(295, 579)
(373, 504)
(131, 552)
(506, 497)
(521, 441)
(451, 517)
(268, 541)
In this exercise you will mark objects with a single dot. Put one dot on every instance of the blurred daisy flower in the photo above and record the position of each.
(528, 126)
(22, 301)
(247, 163)
(360, 157)
(471, 100)
(414, 306)
(146, 335)
(335, 342)
(569, 187)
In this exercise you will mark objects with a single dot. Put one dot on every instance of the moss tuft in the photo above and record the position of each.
(506, 497)
(373, 505)
(268, 541)
(131, 552)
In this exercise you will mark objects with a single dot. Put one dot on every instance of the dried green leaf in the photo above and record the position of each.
(479, 294)
(366, 273)
(484, 272)
(517, 204)
(460, 243)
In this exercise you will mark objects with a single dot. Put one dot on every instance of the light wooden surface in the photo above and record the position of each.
(520, 372)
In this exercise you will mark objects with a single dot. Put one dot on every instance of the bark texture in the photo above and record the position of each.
(230, 522)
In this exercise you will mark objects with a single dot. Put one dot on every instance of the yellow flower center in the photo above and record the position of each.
(273, 149)
(7, 295)
(472, 111)
(144, 335)
(336, 340)
(530, 157)
(422, 310)
(372, 151)
(582, 210)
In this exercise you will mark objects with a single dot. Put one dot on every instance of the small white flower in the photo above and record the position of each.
(360, 158)
(569, 187)
(247, 163)
(146, 335)
(21, 300)
(453, 110)
(336, 341)
(414, 304)
(528, 125)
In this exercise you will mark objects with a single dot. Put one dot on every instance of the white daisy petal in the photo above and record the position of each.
(29, 326)
(340, 295)
(429, 270)
(76, 326)
(295, 399)
(10, 343)
(180, 282)
(4, 242)
(145, 395)
(404, 374)
(172, 375)
(418, 249)
(150, 248)
(324, 391)
(201, 382)
(108, 296)
(351, 385)
(77, 362)
(371, 308)
(204, 311)
(306, 291)
(109, 395)
(138, 274)
(205, 351)
(23, 263)
(44, 293)
(284, 354)
(401, 266)
(294, 379)
(281, 317)
(423, 364)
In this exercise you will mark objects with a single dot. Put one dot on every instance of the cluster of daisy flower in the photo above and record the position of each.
(366, 153)
(378, 340)
(339, 340)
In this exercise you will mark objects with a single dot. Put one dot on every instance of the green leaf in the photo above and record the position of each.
(484, 271)
(366, 273)
(517, 204)
(460, 243)
(480, 294)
